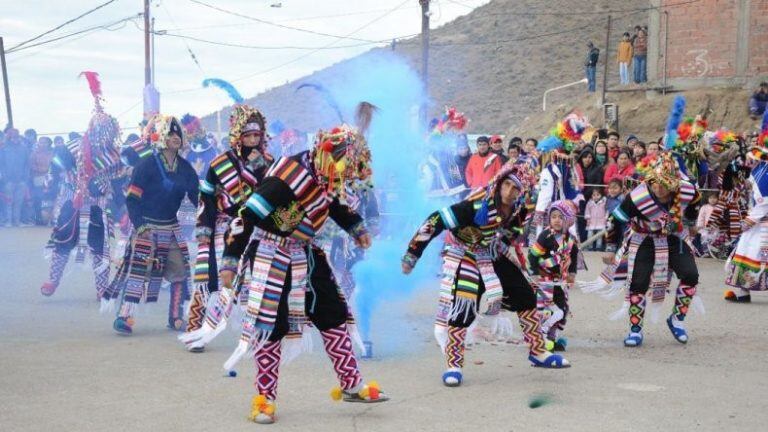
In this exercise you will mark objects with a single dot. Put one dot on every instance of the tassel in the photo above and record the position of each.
(441, 335)
(621, 313)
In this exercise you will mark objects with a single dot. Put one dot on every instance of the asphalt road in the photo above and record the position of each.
(63, 368)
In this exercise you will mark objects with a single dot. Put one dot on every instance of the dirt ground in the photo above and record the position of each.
(63, 368)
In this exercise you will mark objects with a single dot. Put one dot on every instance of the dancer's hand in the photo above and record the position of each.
(364, 241)
(227, 277)
(407, 268)
(608, 257)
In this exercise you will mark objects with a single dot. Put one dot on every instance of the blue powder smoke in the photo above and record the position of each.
(397, 144)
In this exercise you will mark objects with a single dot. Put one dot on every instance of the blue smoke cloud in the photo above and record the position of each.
(397, 144)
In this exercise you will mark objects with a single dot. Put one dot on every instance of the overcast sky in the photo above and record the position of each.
(47, 95)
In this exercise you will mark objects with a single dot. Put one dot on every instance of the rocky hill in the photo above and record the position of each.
(493, 64)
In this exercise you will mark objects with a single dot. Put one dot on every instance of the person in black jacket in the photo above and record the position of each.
(156, 249)
(592, 173)
(593, 54)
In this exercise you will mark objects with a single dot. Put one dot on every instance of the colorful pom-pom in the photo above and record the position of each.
(336, 393)
(232, 373)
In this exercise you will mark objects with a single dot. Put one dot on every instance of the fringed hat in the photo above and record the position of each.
(160, 127)
(341, 156)
(244, 120)
(564, 137)
(661, 168)
(568, 209)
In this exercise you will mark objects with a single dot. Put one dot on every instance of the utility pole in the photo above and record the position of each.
(147, 67)
(5, 84)
(424, 58)
(152, 66)
(606, 56)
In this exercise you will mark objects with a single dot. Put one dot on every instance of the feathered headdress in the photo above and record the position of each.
(103, 130)
(760, 149)
(193, 129)
(663, 169)
(673, 122)
(226, 86)
(341, 156)
(565, 136)
(451, 121)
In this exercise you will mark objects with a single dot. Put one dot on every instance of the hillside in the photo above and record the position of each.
(493, 63)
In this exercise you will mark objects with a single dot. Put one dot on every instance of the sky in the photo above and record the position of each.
(47, 95)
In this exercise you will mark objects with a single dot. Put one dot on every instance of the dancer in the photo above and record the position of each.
(156, 249)
(553, 261)
(84, 223)
(291, 278)
(228, 183)
(745, 268)
(656, 242)
(468, 269)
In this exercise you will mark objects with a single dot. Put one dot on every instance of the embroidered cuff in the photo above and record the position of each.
(358, 230)
(410, 259)
(229, 264)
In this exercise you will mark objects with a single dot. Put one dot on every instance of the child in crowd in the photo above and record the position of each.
(553, 261)
(614, 198)
(705, 235)
(596, 216)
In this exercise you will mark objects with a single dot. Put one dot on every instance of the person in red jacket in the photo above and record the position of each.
(483, 165)
(622, 169)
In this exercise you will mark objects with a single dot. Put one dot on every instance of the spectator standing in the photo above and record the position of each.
(497, 146)
(513, 152)
(638, 151)
(596, 216)
(483, 165)
(758, 101)
(593, 55)
(530, 146)
(461, 159)
(640, 55)
(624, 58)
(652, 149)
(40, 162)
(592, 173)
(14, 169)
(622, 169)
(613, 145)
(613, 199)
(601, 154)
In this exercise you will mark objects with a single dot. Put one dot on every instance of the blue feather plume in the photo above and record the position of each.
(675, 117)
(549, 143)
(227, 87)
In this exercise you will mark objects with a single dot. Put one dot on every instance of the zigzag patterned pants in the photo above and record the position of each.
(454, 349)
(530, 323)
(683, 298)
(196, 312)
(59, 261)
(268, 369)
(338, 346)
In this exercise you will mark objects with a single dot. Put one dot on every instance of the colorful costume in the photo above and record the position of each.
(554, 259)
(229, 181)
(84, 222)
(199, 151)
(469, 273)
(745, 268)
(156, 249)
(560, 177)
(291, 280)
(656, 242)
(440, 174)
(732, 201)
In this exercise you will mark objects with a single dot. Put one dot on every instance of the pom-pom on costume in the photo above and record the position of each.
(156, 249)
(469, 272)
(746, 267)
(291, 281)
(656, 242)
(553, 259)
(229, 181)
(84, 223)
(560, 178)
(439, 173)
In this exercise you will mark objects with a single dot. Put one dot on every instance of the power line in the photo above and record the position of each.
(275, 47)
(287, 27)
(305, 55)
(189, 49)
(102, 26)
(60, 26)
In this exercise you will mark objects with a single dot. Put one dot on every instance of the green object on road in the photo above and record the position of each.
(540, 400)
